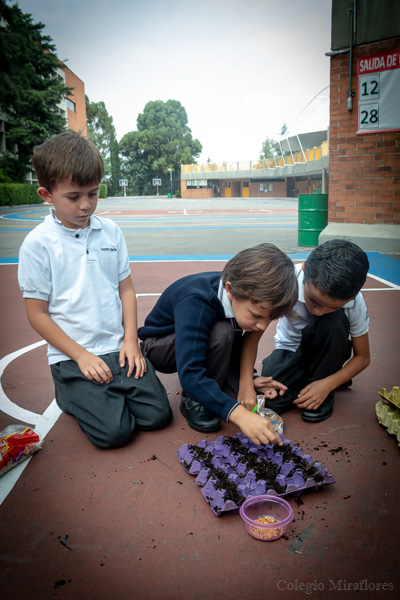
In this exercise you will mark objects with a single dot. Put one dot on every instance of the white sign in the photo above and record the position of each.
(123, 182)
(157, 182)
(379, 92)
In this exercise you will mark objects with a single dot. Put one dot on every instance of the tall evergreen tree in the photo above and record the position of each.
(101, 132)
(162, 141)
(31, 88)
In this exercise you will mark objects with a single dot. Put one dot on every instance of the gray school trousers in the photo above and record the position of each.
(324, 348)
(108, 413)
(222, 360)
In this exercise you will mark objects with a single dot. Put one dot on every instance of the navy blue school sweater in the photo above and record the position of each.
(189, 307)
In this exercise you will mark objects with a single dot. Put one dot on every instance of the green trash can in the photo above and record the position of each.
(313, 218)
(169, 195)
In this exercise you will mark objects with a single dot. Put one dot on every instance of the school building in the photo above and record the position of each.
(73, 106)
(358, 164)
(302, 169)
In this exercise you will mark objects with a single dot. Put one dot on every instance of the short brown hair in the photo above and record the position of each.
(67, 155)
(263, 274)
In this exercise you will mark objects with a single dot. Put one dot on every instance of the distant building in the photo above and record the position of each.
(300, 166)
(74, 106)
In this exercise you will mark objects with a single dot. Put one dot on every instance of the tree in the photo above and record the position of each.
(162, 141)
(31, 89)
(284, 129)
(101, 132)
(267, 150)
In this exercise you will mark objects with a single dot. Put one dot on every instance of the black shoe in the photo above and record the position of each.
(197, 416)
(320, 414)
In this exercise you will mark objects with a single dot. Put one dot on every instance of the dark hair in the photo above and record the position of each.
(67, 155)
(263, 274)
(338, 269)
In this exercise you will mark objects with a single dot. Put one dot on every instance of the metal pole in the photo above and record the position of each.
(170, 175)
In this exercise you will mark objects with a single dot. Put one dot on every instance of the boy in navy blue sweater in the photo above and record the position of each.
(206, 327)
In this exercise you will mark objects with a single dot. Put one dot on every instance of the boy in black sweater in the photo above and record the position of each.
(206, 327)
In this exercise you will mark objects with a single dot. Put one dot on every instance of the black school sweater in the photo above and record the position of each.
(190, 307)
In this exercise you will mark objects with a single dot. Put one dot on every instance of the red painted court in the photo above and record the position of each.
(131, 524)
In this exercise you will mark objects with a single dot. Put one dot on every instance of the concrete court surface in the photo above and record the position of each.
(80, 523)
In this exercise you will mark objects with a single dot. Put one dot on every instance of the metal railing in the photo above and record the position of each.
(309, 155)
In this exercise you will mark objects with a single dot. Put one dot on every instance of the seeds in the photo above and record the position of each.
(266, 520)
(266, 534)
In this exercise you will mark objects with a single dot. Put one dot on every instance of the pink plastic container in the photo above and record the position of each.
(257, 509)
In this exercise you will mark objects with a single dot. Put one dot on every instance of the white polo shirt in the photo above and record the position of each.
(77, 272)
(288, 330)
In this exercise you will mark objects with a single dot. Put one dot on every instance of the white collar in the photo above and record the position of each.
(94, 222)
(226, 303)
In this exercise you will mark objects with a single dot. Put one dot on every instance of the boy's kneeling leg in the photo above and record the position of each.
(147, 400)
(99, 408)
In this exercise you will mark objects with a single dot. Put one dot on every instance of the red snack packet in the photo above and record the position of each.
(17, 442)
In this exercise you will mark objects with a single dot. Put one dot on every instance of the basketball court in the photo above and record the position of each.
(82, 523)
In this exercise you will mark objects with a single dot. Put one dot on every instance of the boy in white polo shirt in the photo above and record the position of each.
(75, 277)
(329, 323)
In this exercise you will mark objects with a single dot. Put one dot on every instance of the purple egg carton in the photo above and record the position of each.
(231, 469)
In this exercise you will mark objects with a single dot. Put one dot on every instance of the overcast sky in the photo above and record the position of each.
(240, 68)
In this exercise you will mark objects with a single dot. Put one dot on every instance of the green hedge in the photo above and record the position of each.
(18, 193)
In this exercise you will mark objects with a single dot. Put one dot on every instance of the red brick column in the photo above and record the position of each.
(364, 170)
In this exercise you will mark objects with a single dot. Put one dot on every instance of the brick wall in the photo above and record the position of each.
(279, 189)
(77, 119)
(364, 170)
(195, 192)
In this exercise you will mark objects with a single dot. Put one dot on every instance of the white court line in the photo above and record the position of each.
(42, 423)
(389, 283)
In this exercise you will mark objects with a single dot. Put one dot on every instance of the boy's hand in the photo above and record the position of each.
(268, 387)
(312, 396)
(131, 352)
(258, 429)
(247, 398)
(94, 368)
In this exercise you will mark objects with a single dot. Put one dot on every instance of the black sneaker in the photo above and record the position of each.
(321, 413)
(197, 416)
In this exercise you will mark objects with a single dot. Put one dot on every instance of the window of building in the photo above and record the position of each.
(197, 183)
(266, 187)
(228, 184)
(70, 105)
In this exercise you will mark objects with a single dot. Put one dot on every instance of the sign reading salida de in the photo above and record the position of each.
(379, 92)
